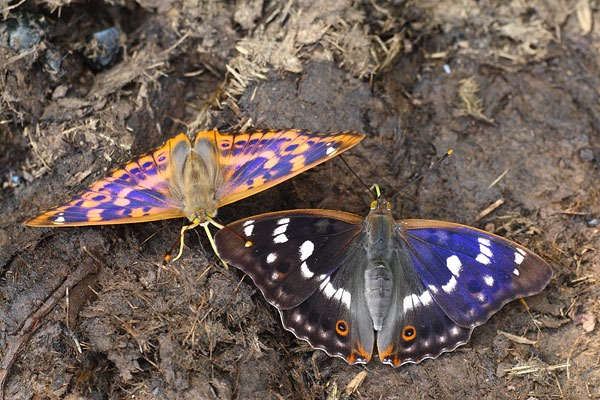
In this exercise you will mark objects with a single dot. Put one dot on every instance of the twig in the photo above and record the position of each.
(489, 209)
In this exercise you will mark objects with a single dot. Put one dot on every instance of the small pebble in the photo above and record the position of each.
(24, 33)
(593, 222)
(53, 63)
(104, 48)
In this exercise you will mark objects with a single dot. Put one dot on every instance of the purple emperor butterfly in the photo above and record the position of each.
(416, 288)
(184, 180)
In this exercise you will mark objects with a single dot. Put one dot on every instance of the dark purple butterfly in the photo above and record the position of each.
(417, 288)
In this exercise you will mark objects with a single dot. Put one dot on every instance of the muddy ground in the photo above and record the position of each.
(92, 312)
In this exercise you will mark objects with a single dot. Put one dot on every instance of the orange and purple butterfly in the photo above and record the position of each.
(184, 180)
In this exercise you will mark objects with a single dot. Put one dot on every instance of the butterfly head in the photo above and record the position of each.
(381, 205)
(200, 216)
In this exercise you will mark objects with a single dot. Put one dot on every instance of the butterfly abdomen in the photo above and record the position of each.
(378, 292)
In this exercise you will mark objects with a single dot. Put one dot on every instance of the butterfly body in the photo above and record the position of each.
(181, 179)
(378, 274)
(412, 288)
(196, 177)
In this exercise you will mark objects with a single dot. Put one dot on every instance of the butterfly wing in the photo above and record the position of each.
(302, 261)
(335, 318)
(448, 279)
(137, 192)
(470, 273)
(253, 162)
(416, 327)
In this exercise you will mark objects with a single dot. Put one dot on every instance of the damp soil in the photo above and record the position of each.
(93, 312)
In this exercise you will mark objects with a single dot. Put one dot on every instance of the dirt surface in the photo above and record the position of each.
(512, 88)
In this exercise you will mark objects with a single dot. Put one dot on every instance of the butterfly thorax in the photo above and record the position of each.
(379, 226)
(196, 177)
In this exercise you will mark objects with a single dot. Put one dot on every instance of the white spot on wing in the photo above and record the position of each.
(409, 302)
(488, 280)
(483, 259)
(484, 241)
(271, 258)
(432, 288)
(330, 150)
(280, 229)
(59, 220)
(340, 294)
(297, 316)
(280, 239)
(485, 250)
(306, 250)
(454, 331)
(518, 258)
(345, 297)
(249, 222)
(425, 298)
(283, 221)
(523, 253)
(248, 229)
(305, 271)
(516, 272)
(454, 265)
(327, 288)
(450, 286)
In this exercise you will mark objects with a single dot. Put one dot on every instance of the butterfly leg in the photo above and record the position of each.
(183, 229)
(211, 240)
(208, 234)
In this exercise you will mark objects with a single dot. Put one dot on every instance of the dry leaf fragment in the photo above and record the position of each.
(584, 16)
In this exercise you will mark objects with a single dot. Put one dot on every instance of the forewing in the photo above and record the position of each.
(253, 162)
(470, 273)
(416, 327)
(307, 263)
(137, 192)
(288, 254)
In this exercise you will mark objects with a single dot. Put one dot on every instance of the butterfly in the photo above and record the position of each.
(415, 287)
(184, 180)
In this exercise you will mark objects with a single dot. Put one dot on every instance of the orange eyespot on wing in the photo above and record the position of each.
(137, 192)
(253, 162)
(341, 327)
(409, 333)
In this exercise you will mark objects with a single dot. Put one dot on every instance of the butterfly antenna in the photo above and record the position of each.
(418, 178)
(358, 177)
